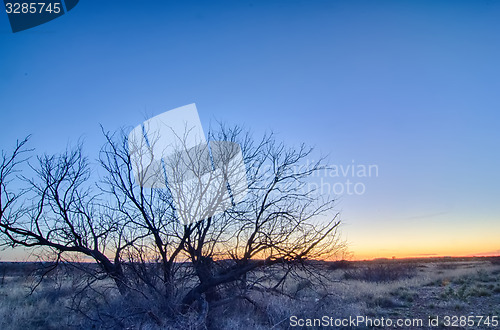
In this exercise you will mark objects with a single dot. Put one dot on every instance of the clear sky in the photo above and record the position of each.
(411, 87)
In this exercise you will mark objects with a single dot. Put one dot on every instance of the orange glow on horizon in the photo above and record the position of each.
(425, 239)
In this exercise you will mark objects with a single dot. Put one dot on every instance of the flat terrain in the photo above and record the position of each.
(444, 291)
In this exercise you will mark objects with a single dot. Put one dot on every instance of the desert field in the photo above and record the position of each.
(433, 293)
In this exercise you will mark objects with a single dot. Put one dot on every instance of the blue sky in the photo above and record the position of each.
(411, 86)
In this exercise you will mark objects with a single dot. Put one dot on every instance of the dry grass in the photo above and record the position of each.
(377, 289)
(43, 309)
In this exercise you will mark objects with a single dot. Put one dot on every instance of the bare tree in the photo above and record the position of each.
(142, 240)
(279, 223)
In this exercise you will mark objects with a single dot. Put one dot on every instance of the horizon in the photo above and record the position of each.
(393, 258)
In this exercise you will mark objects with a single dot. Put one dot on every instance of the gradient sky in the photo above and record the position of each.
(410, 86)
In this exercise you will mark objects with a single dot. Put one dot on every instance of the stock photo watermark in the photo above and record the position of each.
(26, 14)
(339, 179)
(205, 178)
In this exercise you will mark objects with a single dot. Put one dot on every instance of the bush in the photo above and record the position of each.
(340, 264)
(381, 272)
(495, 260)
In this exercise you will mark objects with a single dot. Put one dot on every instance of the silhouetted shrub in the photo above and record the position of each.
(340, 264)
(495, 260)
(381, 272)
